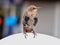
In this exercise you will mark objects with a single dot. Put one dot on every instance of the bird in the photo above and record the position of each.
(30, 19)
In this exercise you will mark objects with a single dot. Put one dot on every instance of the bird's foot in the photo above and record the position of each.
(34, 35)
(26, 35)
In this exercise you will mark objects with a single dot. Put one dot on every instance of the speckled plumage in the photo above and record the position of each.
(30, 19)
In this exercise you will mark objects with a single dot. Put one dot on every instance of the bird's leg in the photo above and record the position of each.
(25, 34)
(24, 31)
(34, 33)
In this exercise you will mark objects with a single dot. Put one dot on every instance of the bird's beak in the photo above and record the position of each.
(39, 7)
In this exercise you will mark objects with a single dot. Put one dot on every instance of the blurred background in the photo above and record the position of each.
(11, 12)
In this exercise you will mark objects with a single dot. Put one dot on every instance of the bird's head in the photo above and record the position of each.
(32, 8)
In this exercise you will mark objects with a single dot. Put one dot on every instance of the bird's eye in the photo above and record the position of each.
(34, 8)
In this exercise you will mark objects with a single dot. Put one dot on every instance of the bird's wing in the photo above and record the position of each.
(35, 21)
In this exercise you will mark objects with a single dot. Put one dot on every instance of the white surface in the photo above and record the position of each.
(19, 39)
